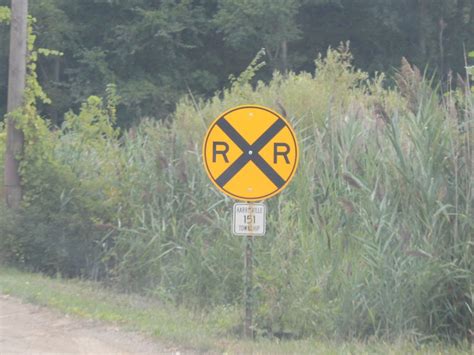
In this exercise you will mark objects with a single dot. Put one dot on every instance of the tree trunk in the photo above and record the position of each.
(442, 27)
(284, 57)
(422, 26)
(16, 88)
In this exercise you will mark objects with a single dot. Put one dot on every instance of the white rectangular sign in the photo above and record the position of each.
(249, 219)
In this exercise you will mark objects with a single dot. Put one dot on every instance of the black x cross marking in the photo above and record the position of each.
(251, 152)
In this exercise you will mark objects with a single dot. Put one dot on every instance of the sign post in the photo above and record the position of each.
(249, 221)
(248, 284)
(250, 153)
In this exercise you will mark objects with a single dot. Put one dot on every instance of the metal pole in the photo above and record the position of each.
(248, 326)
(248, 331)
(16, 88)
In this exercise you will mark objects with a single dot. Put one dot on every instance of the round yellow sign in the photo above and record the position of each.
(250, 153)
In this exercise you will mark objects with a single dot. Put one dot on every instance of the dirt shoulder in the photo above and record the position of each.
(26, 329)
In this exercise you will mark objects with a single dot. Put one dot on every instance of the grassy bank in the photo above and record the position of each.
(211, 331)
(92, 301)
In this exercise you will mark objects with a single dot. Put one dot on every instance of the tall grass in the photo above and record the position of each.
(372, 238)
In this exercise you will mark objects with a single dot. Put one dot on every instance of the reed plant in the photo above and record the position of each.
(373, 237)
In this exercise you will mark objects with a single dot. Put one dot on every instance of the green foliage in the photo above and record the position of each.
(470, 69)
(248, 74)
(64, 172)
(379, 212)
(373, 238)
(4, 14)
(264, 23)
(156, 51)
(61, 227)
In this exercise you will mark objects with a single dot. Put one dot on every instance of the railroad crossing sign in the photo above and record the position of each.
(250, 153)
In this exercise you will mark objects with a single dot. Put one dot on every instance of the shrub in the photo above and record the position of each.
(68, 176)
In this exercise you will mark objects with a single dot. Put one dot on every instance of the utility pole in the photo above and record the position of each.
(16, 88)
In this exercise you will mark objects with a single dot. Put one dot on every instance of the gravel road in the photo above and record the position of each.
(29, 329)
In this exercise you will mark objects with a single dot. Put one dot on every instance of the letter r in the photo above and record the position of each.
(277, 152)
(222, 152)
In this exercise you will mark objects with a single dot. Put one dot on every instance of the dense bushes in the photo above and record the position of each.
(69, 194)
(372, 238)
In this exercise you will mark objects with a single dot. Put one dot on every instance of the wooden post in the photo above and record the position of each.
(16, 88)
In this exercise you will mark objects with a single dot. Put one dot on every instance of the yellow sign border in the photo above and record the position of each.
(290, 177)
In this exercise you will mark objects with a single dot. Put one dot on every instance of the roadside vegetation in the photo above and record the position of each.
(179, 328)
(372, 239)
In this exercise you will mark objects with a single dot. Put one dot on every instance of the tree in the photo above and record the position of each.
(260, 23)
(157, 51)
(16, 88)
